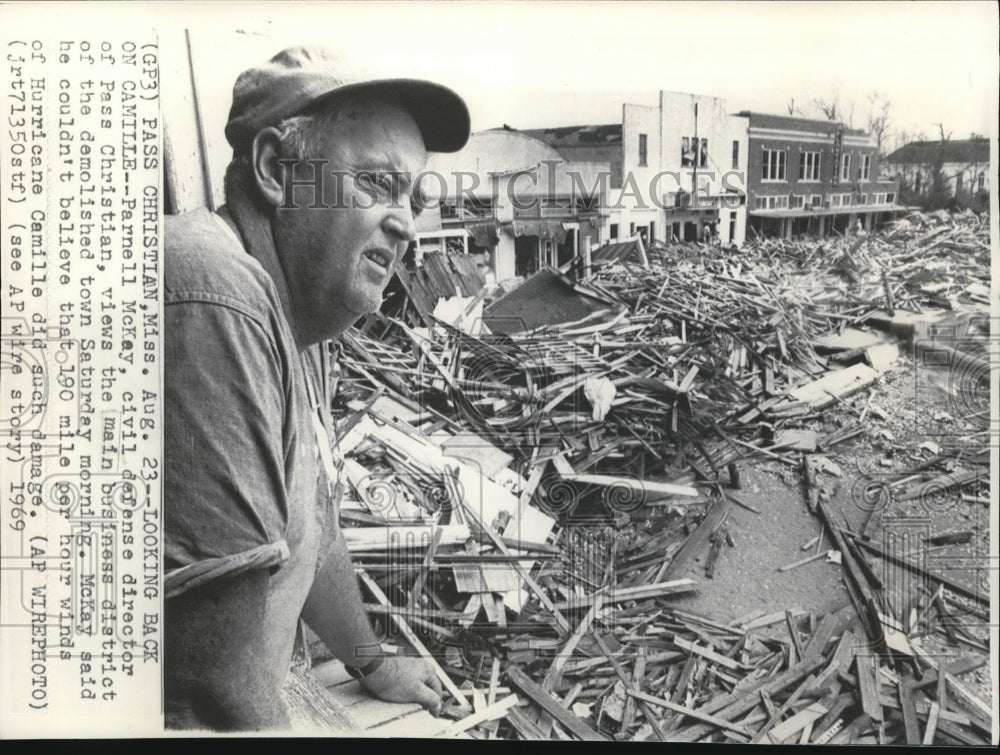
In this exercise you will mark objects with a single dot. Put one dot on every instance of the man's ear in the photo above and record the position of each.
(268, 172)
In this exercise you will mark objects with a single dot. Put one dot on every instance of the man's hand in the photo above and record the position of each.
(406, 680)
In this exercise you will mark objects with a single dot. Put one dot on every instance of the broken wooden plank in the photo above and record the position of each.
(909, 710)
(614, 595)
(706, 653)
(795, 723)
(412, 638)
(550, 705)
(496, 710)
(648, 487)
(932, 721)
(963, 590)
(626, 682)
(694, 544)
(834, 385)
(689, 712)
(866, 665)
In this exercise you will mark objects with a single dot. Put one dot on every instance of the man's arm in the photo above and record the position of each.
(214, 673)
(334, 611)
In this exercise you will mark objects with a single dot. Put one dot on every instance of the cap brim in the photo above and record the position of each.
(440, 114)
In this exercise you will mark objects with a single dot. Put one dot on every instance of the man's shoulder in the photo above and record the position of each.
(205, 261)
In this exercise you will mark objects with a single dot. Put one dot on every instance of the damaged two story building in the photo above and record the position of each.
(814, 177)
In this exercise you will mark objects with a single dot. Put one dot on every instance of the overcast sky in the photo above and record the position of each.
(533, 64)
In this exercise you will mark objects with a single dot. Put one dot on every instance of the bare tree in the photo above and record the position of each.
(878, 120)
(829, 108)
(832, 109)
(939, 194)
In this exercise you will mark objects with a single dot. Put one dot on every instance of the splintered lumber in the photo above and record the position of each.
(613, 595)
(804, 561)
(647, 486)
(866, 665)
(574, 724)
(739, 703)
(965, 591)
(496, 710)
(412, 638)
(932, 721)
(524, 726)
(838, 384)
(689, 712)
(554, 674)
(498, 541)
(710, 655)
(946, 483)
(627, 684)
(696, 542)
(795, 723)
(909, 709)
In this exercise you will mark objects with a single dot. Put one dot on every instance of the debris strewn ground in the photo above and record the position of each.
(534, 510)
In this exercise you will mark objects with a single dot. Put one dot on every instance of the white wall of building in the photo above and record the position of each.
(648, 189)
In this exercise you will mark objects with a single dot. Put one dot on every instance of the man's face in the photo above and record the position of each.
(338, 258)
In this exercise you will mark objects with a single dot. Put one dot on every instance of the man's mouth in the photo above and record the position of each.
(379, 257)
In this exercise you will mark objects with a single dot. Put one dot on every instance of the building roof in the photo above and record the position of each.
(626, 251)
(578, 136)
(441, 276)
(546, 298)
(957, 151)
(791, 123)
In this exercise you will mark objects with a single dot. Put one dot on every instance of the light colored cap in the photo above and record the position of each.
(299, 77)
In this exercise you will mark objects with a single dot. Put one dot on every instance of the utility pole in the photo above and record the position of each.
(697, 157)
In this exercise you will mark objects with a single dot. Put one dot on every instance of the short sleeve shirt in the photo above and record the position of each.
(245, 485)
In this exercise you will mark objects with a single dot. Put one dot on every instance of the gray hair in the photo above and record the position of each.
(301, 137)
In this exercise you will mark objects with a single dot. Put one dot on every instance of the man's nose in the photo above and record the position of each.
(399, 222)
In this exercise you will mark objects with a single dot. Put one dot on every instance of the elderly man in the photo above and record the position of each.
(318, 213)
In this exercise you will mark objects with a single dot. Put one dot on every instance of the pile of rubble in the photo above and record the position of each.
(522, 504)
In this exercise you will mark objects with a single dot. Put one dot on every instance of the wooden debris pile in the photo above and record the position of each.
(522, 506)
(644, 671)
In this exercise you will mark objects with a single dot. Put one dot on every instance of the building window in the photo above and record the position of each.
(916, 183)
(642, 149)
(981, 182)
(687, 153)
(816, 200)
(890, 197)
(732, 223)
(773, 165)
(736, 153)
(840, 200)
(878, 198)
(614, 231)
(862, 199)
(866, 168)
(958, 182)
(631, 230)
(703, 154)
(779, 202)
(809, 166)
(798, 202)
(845, 167)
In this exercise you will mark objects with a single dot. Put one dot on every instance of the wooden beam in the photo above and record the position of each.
(491, 711)
(412, 638)
(694, 544)
(711, 655)
(574, 724)
(909, 709)
(690, 712)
